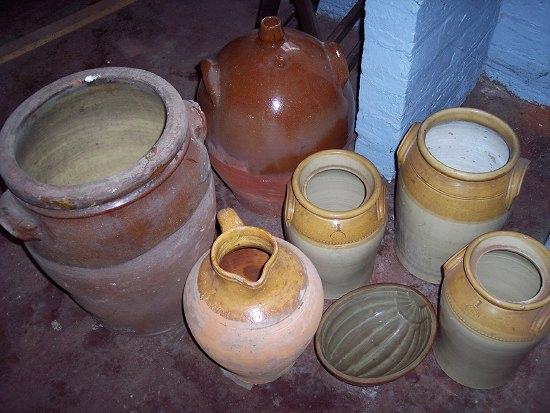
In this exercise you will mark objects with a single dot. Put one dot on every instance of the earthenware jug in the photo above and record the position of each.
(459, 172)
(111, 190)
(335, 212)
(253, 302)
(494, 308)
(271, 99)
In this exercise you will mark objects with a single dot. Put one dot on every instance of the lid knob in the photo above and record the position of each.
(271, 30)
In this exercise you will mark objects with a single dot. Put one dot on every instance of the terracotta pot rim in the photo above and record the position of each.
(325, 213)
(357, 381)
(470, 115)
(172, 140)
(473, 253)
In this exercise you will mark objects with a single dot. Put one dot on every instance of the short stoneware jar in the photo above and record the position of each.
(335, 212)
(494, 308)
(459, 172)
(253, 302)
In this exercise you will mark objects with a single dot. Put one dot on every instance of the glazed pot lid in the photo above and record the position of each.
(109, 189)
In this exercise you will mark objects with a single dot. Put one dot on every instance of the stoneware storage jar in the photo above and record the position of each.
(271, 99)
(335, 212)
(110, 187)
(459, 172)
(253, 302)
(376, 334)
(494, 308)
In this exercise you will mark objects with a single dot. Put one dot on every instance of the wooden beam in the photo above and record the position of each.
(347, 23)
(46, 34)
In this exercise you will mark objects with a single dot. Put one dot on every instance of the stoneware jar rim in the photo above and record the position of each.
(358, 381)
(366, 205)
(476, 116)
(172, 140)
(542, 297)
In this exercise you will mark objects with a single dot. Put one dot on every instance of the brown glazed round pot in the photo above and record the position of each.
(253, 303)
(271, 99)
(110, 188)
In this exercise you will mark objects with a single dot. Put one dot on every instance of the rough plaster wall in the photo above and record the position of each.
(418, 57)
(335, 8)
(519, 53)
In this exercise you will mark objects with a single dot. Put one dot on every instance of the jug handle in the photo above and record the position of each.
(197, 121)
(406, 143)
(541, 321)
(456, 259)
(16, 220)
(211, 78)
(381, 203)
(337, 62)
(516, 180)
(290, 202)
(229, 219)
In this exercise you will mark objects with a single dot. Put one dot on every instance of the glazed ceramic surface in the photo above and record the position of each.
(253, 302)
(494, 308)
(271, 99)
(440, 208)
(335, 213)
(107, 172)
(376, 334)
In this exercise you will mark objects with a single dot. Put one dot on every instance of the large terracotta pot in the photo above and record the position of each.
(271, 99)
(459, 172)
(494, 308)
(335, 212)
(253, 303)
(111, 189)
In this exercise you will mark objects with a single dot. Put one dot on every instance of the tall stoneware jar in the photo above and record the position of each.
(459, 172)
(335, 212)
(110, 188)
(253, 302)
(271, 99)
(494, 308)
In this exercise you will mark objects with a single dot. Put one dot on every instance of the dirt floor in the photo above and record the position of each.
(54, 356)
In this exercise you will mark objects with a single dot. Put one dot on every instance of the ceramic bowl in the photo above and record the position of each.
(375, 334)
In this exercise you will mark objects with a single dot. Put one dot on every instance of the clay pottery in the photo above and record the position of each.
(459, 172)
(494, 308)
(376, 334)
(253, 302)
(271, 99)
(335, 213)
(110, 188)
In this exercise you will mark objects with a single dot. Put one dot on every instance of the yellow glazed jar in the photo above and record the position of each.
(335, 213)
(253, 302)
(494, 308)
(459, 172)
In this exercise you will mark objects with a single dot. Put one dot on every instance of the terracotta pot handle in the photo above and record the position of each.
(290, 202)
(406, 143)
(456, 259)
(516, 179)
(16, 220)
(338, 62)
(541, 321)
(197, 120)
(381, 204)
(229, 219)
(211, 78)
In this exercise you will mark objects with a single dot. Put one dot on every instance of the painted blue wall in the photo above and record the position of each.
(335, 8)
(519, 53)
(419, 56)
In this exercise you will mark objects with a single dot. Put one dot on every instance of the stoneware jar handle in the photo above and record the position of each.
(337, 62)
(290, 202)
(406, 143)
(381, 204)
(516, 179)
(16, 220)
(229, 219)
(197, 120)
(211, 78)
(456, 259)
(541, 321)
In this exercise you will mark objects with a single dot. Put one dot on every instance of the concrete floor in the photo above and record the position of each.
(54, 356)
